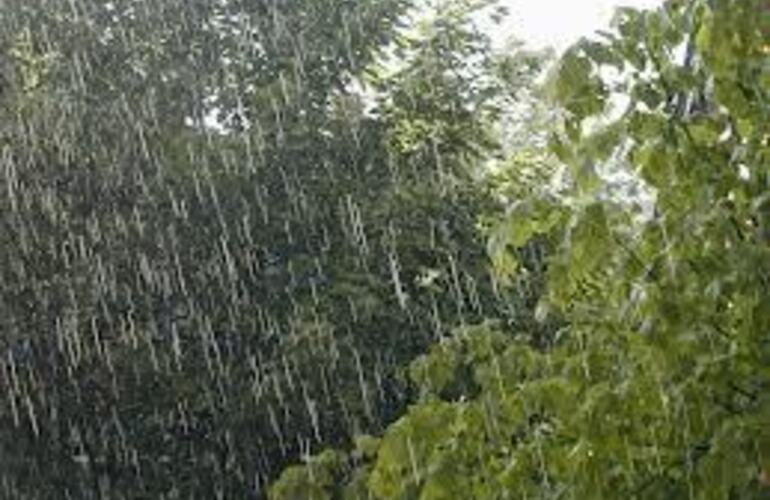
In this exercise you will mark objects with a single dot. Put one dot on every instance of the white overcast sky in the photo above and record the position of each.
(558, 23)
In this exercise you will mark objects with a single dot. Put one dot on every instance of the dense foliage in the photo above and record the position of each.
(344, 250)
(216, 253)
(655, 385)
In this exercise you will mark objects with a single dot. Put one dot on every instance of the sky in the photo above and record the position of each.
(559, 23)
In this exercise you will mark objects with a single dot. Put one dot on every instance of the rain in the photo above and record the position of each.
(337, 249)
(212, 262)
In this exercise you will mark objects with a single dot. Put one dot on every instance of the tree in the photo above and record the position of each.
(656, 386)
(188, 308)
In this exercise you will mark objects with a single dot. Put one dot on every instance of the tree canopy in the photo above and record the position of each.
(349, 250)
(655, 384)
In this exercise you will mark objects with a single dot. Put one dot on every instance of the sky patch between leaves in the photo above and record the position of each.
(558, 23)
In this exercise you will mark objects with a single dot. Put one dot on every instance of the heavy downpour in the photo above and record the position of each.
(384, 249)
